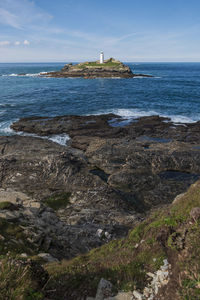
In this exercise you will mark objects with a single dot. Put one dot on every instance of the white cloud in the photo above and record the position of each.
(8, 18)
(21, 13)
(17, 43)
(4, 43)
(26, 42)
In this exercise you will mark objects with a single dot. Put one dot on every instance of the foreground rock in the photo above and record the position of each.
(97, 187)
(110, 68)
(61, 201)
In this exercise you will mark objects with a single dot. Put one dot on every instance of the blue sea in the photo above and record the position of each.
(174, 92)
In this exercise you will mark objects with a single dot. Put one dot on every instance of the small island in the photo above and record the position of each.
(109, 68)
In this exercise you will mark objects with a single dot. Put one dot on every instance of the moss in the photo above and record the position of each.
(6, 205)
(58, 201)
(13, 238)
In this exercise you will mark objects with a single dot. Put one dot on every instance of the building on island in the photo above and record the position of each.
(101, 58)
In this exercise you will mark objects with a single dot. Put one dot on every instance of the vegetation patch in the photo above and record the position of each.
(21, 280)
(13, 239)
(95, 64)
(7, 205)
(58, 201)
(169, 233)
(125, 262)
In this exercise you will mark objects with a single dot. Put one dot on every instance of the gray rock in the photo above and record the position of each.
(121, 296)
(195, 213)
(104, 289)
(137, 295)
(47, 257)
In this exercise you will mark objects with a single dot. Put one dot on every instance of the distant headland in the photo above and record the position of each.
(110, 68)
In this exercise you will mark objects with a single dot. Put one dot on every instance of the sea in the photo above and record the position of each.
(173, 92)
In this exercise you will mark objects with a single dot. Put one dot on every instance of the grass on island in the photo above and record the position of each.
(109, 64)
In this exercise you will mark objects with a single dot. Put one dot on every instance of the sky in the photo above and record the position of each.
(77, 30)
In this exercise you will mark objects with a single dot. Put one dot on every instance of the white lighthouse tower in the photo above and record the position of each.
(101, 58)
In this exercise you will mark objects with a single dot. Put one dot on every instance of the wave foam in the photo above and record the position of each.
(136, 113)
(5, 128)
(60, 139)
(25, 75)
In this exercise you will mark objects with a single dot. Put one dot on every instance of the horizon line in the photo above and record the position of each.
(70, 61)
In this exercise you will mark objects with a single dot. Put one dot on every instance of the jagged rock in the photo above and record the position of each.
(112, 170)
(137, 295)
(195, 213)
(47, 257)
(104, 290)
(159, 279)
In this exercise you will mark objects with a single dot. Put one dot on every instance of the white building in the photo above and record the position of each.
(101, 58)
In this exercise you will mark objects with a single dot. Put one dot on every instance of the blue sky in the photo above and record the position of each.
(77, 30)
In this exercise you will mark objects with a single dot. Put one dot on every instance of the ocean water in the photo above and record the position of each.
(173, 92)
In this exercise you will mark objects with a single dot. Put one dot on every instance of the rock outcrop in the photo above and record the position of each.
(61, 201)
(110, 68)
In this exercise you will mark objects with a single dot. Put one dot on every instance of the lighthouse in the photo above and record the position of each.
(101, 58)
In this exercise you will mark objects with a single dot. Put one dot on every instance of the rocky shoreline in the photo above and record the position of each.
(112, 173)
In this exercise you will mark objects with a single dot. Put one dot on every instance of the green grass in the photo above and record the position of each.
(13, 239)
(58, 201)
(97, 65)
(126, 266)
(19, 281)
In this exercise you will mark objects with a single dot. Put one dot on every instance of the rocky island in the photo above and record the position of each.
(109, 68)
(113, 214)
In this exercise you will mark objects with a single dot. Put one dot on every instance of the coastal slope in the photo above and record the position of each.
(73, 205)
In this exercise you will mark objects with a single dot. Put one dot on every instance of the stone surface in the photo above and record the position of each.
(114, 171)
(104, 289)
(47, 257)
(195, 213)
(121, 296)
(158, 280)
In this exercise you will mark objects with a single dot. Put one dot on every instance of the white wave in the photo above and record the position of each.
(10, 75)
(56, 138)
(59, 139)
(5, 128)
(182, 119)
(23, 75)
(136, 113)
(133, 113)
